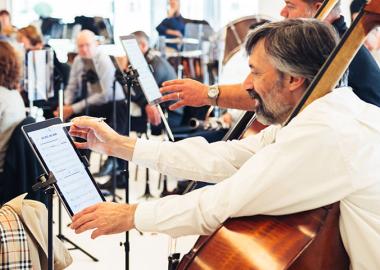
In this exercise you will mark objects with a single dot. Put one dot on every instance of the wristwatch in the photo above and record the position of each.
(213, 94)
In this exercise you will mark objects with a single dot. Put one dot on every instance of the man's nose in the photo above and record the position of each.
(248, 82)
(284, 12)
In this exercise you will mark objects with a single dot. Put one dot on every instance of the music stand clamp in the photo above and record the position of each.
(127, 79)
(46, 183)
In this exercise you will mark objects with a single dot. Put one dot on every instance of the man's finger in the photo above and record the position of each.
(170, 88)
(78, 134)
(168, 97)
(85, 211)
(171, 82)
(81, 222)
(177, 105)
(83, 145)
(87, 226)
(86, 122)
(96, 233)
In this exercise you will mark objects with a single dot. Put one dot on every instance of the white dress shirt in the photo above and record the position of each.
(330, 152)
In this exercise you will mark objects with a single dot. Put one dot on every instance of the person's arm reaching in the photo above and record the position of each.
(181, 159)
(289, 176)
(194, 93)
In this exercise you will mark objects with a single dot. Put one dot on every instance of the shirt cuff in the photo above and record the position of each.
(145, 217)
(79, 106)
(146, 153)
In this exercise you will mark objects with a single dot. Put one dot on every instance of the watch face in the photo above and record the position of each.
(213, 92)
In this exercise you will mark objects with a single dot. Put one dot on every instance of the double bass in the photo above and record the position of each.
(307, 240)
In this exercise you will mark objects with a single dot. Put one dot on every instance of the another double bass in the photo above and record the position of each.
(307, 240)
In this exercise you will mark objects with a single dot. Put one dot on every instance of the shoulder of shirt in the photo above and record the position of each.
(340, 105)
(10, 96)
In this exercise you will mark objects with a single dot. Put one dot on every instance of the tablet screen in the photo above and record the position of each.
(74, 183)
(136, 58)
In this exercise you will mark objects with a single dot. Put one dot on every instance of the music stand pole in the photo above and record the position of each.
(127, 80)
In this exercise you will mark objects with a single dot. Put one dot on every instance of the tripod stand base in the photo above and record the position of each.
(147, 194)
(75, 246)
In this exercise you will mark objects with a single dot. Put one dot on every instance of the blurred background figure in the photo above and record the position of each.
(174, 25)
(12, 109)
(6, 27)
(32, 40)
(81, 94)
(162, 71)
(373, 39)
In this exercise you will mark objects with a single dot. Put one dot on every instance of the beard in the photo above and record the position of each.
(273, 111)
(263, 114)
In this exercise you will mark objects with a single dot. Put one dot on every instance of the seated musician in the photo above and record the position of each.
(96, 102)
(363, 77)
(12, 109)
(330, 152)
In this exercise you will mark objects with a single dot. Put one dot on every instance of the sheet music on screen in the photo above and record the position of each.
(62, 160)
(146, 79)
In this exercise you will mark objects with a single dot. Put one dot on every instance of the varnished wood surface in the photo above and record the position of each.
(271, 242)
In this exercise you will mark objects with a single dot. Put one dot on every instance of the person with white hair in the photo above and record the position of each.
(96, 101)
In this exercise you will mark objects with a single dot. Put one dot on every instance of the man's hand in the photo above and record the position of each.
(67, 112)
(98, 135)
(186, 92)
(174, 33)
(105, 218)
(153, 114)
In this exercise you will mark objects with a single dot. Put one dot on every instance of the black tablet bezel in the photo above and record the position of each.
(44, 124)
(152, 102)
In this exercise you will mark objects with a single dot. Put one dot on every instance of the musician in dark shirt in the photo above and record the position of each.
(174, 25)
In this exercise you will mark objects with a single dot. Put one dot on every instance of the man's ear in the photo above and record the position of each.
(295, 82)
(316, 5)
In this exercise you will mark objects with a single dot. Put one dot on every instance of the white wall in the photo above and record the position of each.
(271, 8)
(4, 4)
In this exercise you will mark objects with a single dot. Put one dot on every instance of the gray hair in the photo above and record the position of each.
(297, 47)
(141, 35)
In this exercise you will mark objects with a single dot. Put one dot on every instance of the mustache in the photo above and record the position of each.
(254, 95)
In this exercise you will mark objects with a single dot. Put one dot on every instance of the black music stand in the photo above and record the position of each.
(127, 81)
